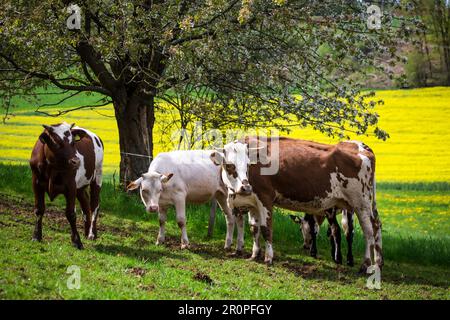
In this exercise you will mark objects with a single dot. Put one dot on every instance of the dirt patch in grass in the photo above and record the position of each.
(139, 272)
(203, 277)
(304, 270)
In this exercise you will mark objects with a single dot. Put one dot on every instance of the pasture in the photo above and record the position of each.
(413, 173)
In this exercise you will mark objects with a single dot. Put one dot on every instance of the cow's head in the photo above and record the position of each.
(235, 162)
(305, 229)
(60, 140)
(151, 185)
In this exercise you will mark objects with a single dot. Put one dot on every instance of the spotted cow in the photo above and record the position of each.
(310, 225)
(311, 178)
(67, 160)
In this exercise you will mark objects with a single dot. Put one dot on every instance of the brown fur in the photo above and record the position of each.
(305, 168)
(54, 174)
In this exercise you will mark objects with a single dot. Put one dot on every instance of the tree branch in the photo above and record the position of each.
(55, 81)
(60, 113)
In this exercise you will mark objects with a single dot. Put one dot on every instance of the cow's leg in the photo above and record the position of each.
(253, 220)
(39, 209)
(376, 225)
(230, 220)
(313, 233)
(162, 225)
(180, 208)
(95, 206)
(85, 208)
(335, 236)
(365, 220)
(72, 218)
(240, 233)
(267, 234)
(347, 225)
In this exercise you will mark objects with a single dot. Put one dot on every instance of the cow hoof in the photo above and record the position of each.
(350, 263)
(36, 239)
(227, 248)
(92, 237)
(252, 258)
(185, 246)
(79, 245)
(159, 242)
(238, 253)
(363, 269)
(268, 261)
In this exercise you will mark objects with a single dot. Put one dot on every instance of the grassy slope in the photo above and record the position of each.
(125, 263)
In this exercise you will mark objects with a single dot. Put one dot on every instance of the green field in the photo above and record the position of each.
(413, 168)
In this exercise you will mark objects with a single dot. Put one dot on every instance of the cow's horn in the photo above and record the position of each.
(257, 148)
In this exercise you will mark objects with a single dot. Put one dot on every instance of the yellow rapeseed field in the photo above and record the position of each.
(417, 121)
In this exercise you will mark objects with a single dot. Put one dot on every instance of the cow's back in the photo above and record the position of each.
(193, 173)
(306, 170)
(37, 161)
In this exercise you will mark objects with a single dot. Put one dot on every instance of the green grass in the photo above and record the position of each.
(125, 263)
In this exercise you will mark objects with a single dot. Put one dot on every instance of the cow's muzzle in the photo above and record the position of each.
(245, 189)
(152, 208)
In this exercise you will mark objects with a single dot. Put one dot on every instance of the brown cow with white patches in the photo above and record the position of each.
(66, 160)
(311, 177)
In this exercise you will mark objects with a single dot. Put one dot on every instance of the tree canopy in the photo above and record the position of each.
(242, 63)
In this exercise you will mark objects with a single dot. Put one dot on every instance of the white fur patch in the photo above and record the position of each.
(80, 177)
(269, 250)
(61, 129)
(98, 151)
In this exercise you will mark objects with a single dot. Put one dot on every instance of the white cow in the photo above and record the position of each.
(180, 177)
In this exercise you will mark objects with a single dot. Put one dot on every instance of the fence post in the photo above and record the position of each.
(212, 217)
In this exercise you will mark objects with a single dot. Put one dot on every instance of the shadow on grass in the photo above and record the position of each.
(146, 255)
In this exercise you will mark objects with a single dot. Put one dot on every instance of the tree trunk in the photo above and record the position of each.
(135, 120)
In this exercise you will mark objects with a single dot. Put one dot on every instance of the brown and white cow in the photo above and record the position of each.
(66, 160)
(311, 177)
(310, 225)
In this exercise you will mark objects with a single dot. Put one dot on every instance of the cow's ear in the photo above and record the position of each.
(44, 138)
(135, 184)
(48, 128)
(217, 158)
(78, 134)
(166, 177)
